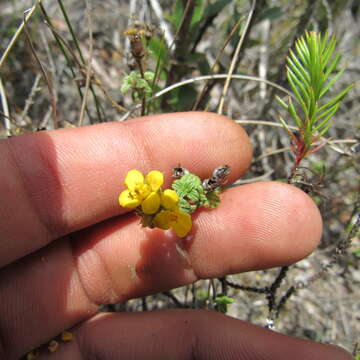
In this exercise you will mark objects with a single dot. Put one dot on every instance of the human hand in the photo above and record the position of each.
(68, 247)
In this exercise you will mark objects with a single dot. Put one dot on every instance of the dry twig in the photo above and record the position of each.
(89, 67)
(235, 57)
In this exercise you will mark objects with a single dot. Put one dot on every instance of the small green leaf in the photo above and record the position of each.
(193, 195)
(177, 13)
(215, 8)
(296, 63)
(134, 75)
(303, 51)
(271, 13)
(329, 115)
(149, 76)
(197, 14)
(331, 83)
(305, 98)
(282, 103)
(158, 51)
(284, 124)
(187, 181)
(294, 114)
(325, 129)
(222, 302)
(323, 43)
(213, 199)
(125, 87)
(148, 91)
(330, 69)
(186, 207)
(190, 192)
(296, 66)
(337, 98)
(328, 50)
(324, 113)
(296, 91)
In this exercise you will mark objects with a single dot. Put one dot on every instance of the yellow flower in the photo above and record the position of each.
(169, 199)
(142, 191)
(171, 216)
(162, 207)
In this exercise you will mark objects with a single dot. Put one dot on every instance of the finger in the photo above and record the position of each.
(186, 335)
(256, 226)
(56, 182)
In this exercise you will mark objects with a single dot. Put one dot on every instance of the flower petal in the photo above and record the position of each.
(162, 219)
(169, 199)
(151, 204)
(127, 201)
(155, 179)
(133, 179)
(182, 225)
(141, 191)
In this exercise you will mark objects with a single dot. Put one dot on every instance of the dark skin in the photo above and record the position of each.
(68, 247)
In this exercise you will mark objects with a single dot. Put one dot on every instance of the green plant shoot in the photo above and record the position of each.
(222, 303)
(138, 85)
(192, 194)
(310, 69)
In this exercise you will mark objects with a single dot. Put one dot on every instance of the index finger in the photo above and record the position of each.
(57, 182)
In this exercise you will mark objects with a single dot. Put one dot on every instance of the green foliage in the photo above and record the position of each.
(138, 84)
(182, 98)
(215, 7)
(197, 14)
(356, 253)
(158, 51)
(203, 13)
(189, 23)
(176, 15)
(213, 198)
(222, 302)
(271, 13)
(202, 295)
(190, 192)
(187, 184)
(309, 72)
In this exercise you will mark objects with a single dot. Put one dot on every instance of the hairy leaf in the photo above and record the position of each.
(190, 191)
